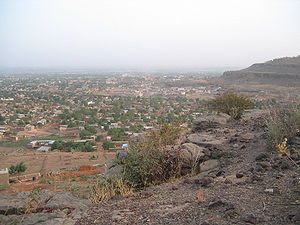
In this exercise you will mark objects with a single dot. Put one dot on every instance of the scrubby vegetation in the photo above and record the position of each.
(231, 103)
(150, 161)
(18, 168)
(283, 123)
(104, 189)
(74, 146)
(108, 144)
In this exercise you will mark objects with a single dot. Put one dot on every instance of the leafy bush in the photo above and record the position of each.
(283, 123)
(74, 146)
(231, 103)
(99, 138)
(107, 144)
(84, 134)
(57, 145)
(150, 161)
(18, 168)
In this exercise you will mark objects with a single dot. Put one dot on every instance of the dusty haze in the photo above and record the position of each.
(147, 34)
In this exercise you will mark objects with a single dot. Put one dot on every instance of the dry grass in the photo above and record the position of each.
(283, 123)
(104, 189)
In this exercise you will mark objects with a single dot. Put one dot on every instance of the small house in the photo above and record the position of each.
(44, 149)
(63, 127)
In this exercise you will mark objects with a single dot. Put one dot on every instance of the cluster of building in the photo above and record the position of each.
(66, 106)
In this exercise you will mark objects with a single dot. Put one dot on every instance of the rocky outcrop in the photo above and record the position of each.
(209, 121)
(42, 207)
(283, 71)
(240, 181)
(199, 146)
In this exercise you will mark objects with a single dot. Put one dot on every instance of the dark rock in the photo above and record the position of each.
(262, 157)
(191, 155)
(216, 204)
(64, 200)
(283, 164)
(174, 188)
(228, 181)
(259, 168)
(187, 181)
(209, 165)
(39, 218)
(206, 140)
(250, 218)
(243, 146)
(232, 140)
(46, 218)
(295, 141)
(256, 177)
(295, 156)
(209, 121)
(220, 173)
(221, 205)
(10, 205)
(205, 223)
(113, 170)
(111, 164)
(121, 154)
(118, 215)
(207, 152)
(204, 182)
(295, 216)
(239, 175)
(264, 164)
(247, 137)
(216, 154)
(231, 213)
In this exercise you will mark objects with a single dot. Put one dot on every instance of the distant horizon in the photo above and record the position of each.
(147, 35)
(144, 69)
(79, 69)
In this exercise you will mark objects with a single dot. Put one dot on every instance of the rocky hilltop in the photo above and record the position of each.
(239, 182)
(283, 71)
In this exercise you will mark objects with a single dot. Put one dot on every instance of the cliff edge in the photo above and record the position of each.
(283, 71)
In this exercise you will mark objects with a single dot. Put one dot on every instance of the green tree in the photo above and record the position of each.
(84, 133)
(107, 144)
(18, 168)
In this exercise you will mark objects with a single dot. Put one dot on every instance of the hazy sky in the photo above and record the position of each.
(147, 33)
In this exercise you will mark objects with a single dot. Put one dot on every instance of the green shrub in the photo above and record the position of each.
(107, 145)
(230, 103)
(151, 161)
(283, 123)
(18, 168)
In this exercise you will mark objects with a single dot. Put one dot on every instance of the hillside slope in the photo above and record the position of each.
(283, 71)
(242, 183)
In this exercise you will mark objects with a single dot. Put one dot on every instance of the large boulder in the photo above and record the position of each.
(191, 156)
(209, 121)
(121, 154)
(191, 153)
(65, 200)
(209, 165)
(52, 208)
(206, 140)
(113, 169)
